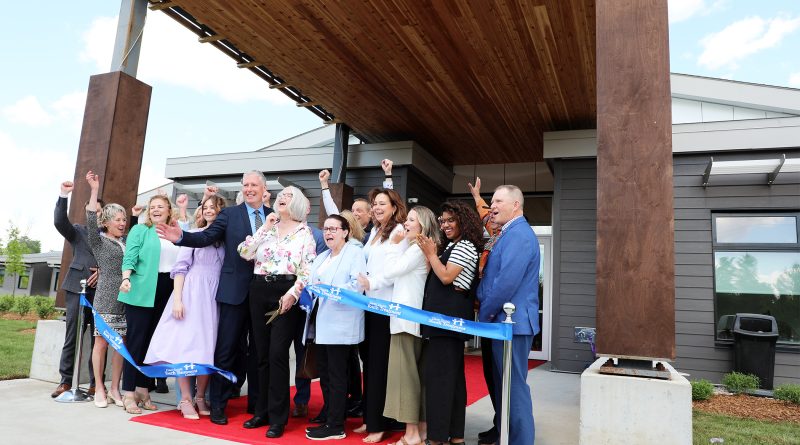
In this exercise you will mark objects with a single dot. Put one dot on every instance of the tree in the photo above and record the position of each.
(13, 251)
(31, 245)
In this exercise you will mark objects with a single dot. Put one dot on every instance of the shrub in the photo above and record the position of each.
(737, 382)
(6, 303)
(45, 307)
(23, 306)
(788, 393)
(702, 389)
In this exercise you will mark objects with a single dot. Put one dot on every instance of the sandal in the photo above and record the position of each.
(130, 404)
(202, 406)
(187, 410)
(362, 429)
(371, 437)
(145, 402)
(116, 400)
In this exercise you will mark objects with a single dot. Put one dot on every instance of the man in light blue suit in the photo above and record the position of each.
(512, 275)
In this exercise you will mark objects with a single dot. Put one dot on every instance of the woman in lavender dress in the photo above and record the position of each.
(188, 332)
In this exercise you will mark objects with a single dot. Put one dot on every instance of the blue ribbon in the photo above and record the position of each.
(497, 331)
(153, 371)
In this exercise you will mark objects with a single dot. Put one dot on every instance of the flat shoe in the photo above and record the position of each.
(100, 402)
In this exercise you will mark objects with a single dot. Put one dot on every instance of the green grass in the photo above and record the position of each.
(738, 431)
(16, 348)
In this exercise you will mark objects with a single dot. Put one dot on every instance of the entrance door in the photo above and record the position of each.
(541, 342)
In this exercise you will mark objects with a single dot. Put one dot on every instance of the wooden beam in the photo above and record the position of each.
(161, 5)
(333, 121)
(111, 144)
(208, 39)
(280, 85)
(307, 104)
(248, 64)
(635, 228)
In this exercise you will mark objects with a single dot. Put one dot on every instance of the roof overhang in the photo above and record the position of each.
(473, 82)
(740, 94)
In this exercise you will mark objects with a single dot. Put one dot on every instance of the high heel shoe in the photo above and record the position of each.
(145, 402)
(116, 400)
(202, 406)
(187, 410)
(130, 404)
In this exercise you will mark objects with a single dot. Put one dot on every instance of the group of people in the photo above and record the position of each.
(224, 290)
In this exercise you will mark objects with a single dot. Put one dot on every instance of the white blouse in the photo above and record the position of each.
(168, 256)
(409, 269)
(379, 285)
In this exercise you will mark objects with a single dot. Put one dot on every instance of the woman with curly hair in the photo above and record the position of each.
(389, 214)
(448, 292)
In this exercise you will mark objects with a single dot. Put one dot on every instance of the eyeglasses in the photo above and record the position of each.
(285, 195)
(331, 229)
(450, 220)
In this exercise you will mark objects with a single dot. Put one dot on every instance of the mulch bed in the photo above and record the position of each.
(31, 316)
(751, 407)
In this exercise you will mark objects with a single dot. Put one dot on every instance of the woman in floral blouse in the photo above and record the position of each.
(283, 250)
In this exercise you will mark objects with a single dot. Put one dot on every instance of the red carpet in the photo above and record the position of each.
(295, 430)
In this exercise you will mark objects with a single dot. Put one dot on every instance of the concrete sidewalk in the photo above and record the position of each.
(29, 416)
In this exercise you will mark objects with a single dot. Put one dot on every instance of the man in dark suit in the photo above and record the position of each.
(232, 226)
(82, 267)
(511, 275)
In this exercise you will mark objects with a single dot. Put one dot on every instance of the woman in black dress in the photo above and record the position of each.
(447, 291)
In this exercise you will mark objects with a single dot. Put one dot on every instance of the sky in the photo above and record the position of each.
(203, 104)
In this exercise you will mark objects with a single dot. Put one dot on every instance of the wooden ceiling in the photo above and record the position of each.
(473, 81)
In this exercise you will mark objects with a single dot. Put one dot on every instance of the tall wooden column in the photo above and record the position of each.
(635, 247)
(111, 145)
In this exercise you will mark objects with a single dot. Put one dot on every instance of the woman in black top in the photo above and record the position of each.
(447, 291)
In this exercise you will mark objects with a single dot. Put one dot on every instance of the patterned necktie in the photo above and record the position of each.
(259, 221)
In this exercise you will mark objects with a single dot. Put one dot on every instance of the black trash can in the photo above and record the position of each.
(754, 339)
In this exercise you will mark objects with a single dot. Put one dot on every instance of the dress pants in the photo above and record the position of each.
(487, 359)
(302, 386)
(521, 430)
(445, 388)
(272, 342)
(332, 362)
(142, 322)
(230, 353)
(67, 364)
(376, 369)
(354, 392)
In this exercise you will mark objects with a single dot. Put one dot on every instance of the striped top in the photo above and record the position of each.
(464, 254)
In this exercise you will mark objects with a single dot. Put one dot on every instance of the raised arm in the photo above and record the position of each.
(60, 218)
(327, 199)
(386, 165)
(95, 243)
(211, 234)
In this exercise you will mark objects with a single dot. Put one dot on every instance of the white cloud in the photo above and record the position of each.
(744, 38)
(794, 80)
(37, 184)
(680, 10)
(28, 111)
(171, 54)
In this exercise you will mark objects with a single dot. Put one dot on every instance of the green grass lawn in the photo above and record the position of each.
(736, 431)
(16, 348)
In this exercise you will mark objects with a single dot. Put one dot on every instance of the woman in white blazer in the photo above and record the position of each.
(409, 270)
(337, 326)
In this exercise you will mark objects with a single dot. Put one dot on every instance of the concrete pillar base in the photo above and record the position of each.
(47, 351)
(633, 410)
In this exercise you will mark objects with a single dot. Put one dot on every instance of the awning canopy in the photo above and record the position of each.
(473, 81)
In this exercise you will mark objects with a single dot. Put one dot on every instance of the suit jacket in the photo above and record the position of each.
(336, 323)
(82, 257)
(512, 274)
(232, 226)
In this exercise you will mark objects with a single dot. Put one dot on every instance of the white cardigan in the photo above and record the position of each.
(409, 270)
(379, 285)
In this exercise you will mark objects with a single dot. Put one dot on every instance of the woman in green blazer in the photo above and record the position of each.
(146, 286)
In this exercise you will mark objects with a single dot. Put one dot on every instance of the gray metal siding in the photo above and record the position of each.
(574, 234)
(574, 256)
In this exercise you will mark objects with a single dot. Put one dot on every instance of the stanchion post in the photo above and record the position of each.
(76, 394)
(505, 403)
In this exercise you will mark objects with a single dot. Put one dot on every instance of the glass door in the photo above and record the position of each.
(540, 350)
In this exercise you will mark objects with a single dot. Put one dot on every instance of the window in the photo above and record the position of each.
(55, 280)
(23, 281)
(757, 270)
(2, 276)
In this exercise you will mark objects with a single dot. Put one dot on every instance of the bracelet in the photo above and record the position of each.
(126, 279)
(323, 188)
(388, 176)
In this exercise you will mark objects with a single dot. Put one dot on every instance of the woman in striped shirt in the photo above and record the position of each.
(447, 291)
